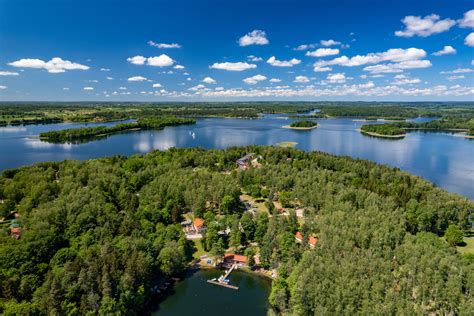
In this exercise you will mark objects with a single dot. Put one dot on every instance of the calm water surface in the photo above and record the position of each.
(442, 158)
(194, 296)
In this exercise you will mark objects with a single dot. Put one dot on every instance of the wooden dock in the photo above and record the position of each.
(230, 271)
(223, 284)
(220, 280)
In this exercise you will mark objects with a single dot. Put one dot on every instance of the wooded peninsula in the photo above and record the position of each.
(72, 134)
(453, 124)
(97, 236)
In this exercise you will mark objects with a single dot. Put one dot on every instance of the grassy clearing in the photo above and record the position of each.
(260, 206)
(468, 246)
(199, 249)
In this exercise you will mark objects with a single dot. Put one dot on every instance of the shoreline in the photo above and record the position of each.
(199, 266)
(299, 128)
(381, 135)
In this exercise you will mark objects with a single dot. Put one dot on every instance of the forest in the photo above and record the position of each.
(72, 134)
(97, 235)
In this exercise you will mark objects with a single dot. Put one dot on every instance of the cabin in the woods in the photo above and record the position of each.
(299, 237)
(312, 240)
(245, 162)
(15, 232)
(198, 225)
(230, 258)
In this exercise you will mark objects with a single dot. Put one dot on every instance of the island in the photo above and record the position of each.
(90, 133)
(382, 130)
(109, 235)
(302, 125)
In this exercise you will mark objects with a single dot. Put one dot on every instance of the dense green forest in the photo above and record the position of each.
(72, 134)
(303, 123)
(382, 129)
(97, 235)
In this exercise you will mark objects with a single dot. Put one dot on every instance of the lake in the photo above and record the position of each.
(195, 296)
(442, 158)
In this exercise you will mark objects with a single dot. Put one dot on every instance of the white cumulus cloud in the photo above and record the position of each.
(329, 42)
(254, 79)
(238, 66)
(157, 85)
(256, 37)
(336, 78)
(405, 80)
(137, 78)
(321, 52)
(275, 80)
(209, 80)
(283, 63)
(321, 69)
(469, 40)
(55, 65)
(447, 50)
(468, 20)
(157, 61)
(88, 88)
(301, 79)
(430, 24)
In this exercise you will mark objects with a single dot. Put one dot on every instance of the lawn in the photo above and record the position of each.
(469, 243)
(199, 249)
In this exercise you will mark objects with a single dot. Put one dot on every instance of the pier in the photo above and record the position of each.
(222, 280)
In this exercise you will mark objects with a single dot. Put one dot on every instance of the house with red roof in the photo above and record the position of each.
(312, 241)
(198, 224)
(231, 258)
(15, 232)
(298, 237)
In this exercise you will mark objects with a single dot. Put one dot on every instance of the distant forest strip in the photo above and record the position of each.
(47, 113)
(72, 134)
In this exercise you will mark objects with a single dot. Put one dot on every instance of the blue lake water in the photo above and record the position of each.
(194, 296)
(443, 158)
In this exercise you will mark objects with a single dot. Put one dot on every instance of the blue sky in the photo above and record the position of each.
(236, 50)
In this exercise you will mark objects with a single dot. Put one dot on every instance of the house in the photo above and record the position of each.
(233, 258)
(299, 237)
(244, 163)
(15, 232)
(198, 225)
(312, 241)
